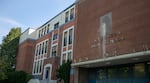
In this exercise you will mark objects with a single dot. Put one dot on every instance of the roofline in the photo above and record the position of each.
(27, 30)
(56, 15)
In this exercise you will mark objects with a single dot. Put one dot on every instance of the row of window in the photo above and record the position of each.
(44, 31)
(138, 71)
(69, 17)
(38, 66)
(41, 48)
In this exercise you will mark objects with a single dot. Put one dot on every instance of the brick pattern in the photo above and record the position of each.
(130, 28)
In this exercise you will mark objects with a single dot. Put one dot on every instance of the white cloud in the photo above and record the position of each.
(6, 24)
(11, 22)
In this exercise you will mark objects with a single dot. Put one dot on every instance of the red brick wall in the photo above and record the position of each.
(25, 56)
(130, 27)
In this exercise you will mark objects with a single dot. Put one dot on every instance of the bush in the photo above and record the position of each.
(17, 77)
(63, 73)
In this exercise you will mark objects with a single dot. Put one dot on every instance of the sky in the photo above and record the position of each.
(28, 13)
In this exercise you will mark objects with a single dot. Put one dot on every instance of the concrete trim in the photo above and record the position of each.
(124, 56)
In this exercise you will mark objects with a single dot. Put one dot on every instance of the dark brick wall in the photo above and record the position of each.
(130, 28)
(25, 56)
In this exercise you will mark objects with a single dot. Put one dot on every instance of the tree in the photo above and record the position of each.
(63, 73)
(8, 50)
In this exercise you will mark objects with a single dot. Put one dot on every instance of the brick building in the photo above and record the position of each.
(108, 42)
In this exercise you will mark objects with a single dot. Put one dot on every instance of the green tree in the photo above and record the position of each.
(8, 51)
(63, 73)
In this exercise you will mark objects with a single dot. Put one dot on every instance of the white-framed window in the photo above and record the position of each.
(41, 49)
(56, 25)
(68, 36)
(67, 56)
(64, 58)
(67, 40)
(54, 51)
(55, 36)
(67, 17)
(72, 14)
(46, 45)
(48, 28)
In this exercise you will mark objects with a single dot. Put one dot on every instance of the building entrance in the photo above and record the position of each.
(131, 73)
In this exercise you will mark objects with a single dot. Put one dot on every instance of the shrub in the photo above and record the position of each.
(17, 77)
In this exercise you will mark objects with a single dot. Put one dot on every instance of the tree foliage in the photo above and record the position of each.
(63, 73)
(16, 77)
(8, 51)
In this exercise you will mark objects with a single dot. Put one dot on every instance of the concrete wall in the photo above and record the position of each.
(28, 34)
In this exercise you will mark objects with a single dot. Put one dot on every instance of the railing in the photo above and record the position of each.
(42, 81)
(48, 81)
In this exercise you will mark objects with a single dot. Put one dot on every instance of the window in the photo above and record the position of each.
(34, 71)
(55, 36)
(111, 73)
(124, 72)
(54, 51)
(39, 33)
(102, 74)
(43, 47)
(37, 48)
(45, 30)
(40, 66)
(46, 46)
(72, 14)
(64, 58)
(42, 32)
(37, 67)
(67, 17)
(48, 28)
(40, 49)
(69, 56)
(56, 25)
(139, 70)
(70, 36)
(65, 39)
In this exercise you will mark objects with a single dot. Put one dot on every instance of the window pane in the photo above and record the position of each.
(65, 39)
(111, 73)
(39, 33)
(64, 58)
(124, 72)
(37, 48)
(34, 71)
(55, 36)
(37, 67)
(48, 29)
(46, 46)
(102, 74)
(40, 49)
(54, 50)
(56, 25)
(41, 66)
(139, 70)
(72, 14)
(70, 56)
(70, 36)
(67, 16)
(43, 47)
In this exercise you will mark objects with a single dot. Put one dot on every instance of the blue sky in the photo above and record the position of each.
(28, 13)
